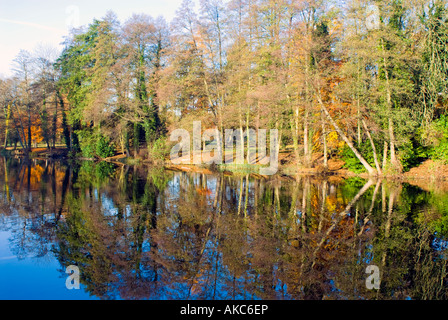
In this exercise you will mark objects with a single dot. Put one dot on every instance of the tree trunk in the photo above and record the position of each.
(71, 138)
(306, 152)
(246, 198)
(136, 139)
(249, 160)
(324, 138)
(126, 141)
(393, 158)
(375, 157)
(55, 121)
(295, 133)
(241, 135)
(29, 129)
(20, 141)
(366, 165)
(385, 155)
(8, 116)
(21, 131)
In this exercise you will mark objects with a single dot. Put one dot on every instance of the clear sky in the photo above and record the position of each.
(27, 24)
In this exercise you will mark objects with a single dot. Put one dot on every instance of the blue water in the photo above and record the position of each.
(33, 278)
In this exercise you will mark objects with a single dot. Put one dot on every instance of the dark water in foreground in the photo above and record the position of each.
(147, 233)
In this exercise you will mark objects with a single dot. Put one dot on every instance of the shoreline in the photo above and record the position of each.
(427, 173)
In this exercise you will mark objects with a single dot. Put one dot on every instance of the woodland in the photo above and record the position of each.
(364, 82)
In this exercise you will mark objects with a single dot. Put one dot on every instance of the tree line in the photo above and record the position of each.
(364, 81)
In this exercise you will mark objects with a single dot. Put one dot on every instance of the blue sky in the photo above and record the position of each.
(27, 24)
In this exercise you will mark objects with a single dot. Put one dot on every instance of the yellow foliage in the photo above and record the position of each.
(334, 142)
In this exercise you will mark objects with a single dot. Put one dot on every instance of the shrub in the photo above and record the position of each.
(159, 150)
(411, 154)
(436, 136)
(104, 148)
(93, 144)
(86, 143)
(352, 162)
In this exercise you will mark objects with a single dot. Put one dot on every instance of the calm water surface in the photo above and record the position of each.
(148, 233)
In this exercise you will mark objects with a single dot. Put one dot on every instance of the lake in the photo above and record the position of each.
(141, 232)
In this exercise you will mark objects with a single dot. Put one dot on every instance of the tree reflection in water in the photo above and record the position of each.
(148, 233)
